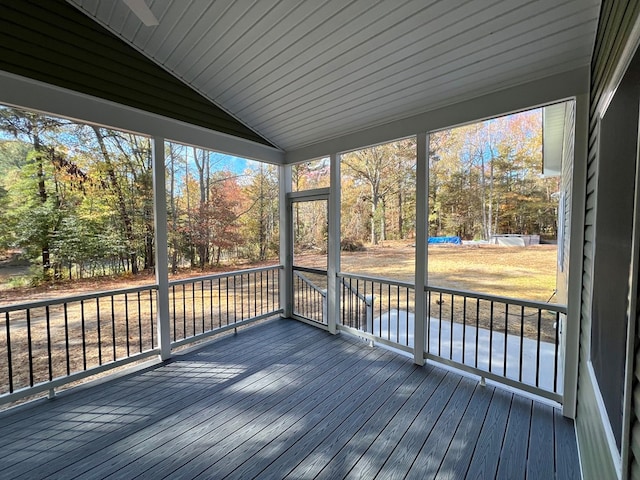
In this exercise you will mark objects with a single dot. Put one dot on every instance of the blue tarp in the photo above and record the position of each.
(453, 240)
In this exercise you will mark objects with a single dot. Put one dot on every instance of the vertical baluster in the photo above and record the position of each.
(464, 327)
(262, 292)
(477, 329)
(84, 336)
(211, 304)
(538, 349)
(173, 302)
(193, 307)
(113, 328)
(521, 342)
(398, 317)
(29, 347)
(227, 294)
(99, 333)
(255, 294)
(202, 303)
(389, 311)
(66, 337)
(490, 334)
(380, 313)
(140, 322)
(451, 330)
(151, 319)
(506, 337)
(242, 297)
(184, 312)
(406, 327)
(235, 304)
(428, 301)
(440, 324)
(219, 302)
(50, 362)
(9, 357)
(126, 318)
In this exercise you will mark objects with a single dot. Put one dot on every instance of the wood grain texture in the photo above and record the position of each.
(305, 404)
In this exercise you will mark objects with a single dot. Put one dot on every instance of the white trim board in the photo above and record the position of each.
(604, 417)
(31, 94)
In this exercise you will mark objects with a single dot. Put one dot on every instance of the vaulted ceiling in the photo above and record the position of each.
(301, 72)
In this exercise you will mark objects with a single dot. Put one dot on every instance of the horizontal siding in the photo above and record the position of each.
(55, 43)
(617, 17)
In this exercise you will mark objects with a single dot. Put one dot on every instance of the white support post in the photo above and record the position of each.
(422, 231)
(162, 258)
(333, 263)
(286, 237)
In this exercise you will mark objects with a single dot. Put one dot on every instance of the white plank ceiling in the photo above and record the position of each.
(301, 72)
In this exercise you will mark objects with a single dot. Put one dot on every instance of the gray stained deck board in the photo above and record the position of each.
(284, 399)
(513, 458)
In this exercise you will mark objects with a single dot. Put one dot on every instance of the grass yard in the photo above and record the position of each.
(518, 272)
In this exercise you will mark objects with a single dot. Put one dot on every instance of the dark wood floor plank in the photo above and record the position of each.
(341, 464)
(292, 405)
(128, 389)
(373, 459)
(82, 398)
(435, 446)
(458, 457)
(336, 441)
(541, 448)
(228, 434)
(486, 455)
(404, 454)
(115, 451)
(280, 436)
(566, 448)
(513, 458)
(286, 399)
(189, 387)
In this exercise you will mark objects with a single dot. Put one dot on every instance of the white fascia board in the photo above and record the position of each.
(514, 99)
(29, 94)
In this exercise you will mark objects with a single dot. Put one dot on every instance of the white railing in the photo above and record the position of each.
(50, 343)
(512, 341)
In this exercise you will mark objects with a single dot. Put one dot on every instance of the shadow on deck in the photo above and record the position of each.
(284, 399)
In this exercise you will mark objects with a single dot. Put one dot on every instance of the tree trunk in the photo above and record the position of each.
(120, 200)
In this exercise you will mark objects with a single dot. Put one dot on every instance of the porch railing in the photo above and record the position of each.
(310, 294)
(512, 341)
(50, 343)
(204, 306)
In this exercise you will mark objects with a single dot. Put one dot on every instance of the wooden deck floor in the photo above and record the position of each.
(286, 400)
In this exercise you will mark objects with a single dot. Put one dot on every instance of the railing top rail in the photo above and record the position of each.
(368, 278)
(555, 307)
(319, 271)
(75, 298)
(215, 276)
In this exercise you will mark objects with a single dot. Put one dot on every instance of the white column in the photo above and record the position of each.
(333, 261)
(286, 255)
(161, 260)
(422, 231)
